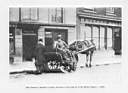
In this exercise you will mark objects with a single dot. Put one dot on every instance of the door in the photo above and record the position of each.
(29, 43)
(117, 40)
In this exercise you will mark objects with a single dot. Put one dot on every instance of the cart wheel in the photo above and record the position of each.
(52, 65)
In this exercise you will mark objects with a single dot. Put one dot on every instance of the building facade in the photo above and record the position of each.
(99, 25)
(27, 25)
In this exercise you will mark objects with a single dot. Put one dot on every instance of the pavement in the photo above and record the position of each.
(101, 57)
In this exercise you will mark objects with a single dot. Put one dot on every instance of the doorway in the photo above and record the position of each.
(51, 35)
(29, 43)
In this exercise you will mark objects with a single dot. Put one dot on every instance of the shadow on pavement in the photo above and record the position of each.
(33, 72)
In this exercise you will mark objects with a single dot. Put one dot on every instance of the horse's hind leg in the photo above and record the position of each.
(91, 54)
(90, 59)
(87, 59)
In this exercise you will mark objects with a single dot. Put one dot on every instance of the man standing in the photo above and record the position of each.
(39, 56)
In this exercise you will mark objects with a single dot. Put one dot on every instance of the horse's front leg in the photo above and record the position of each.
(87, 58)
(90, 58)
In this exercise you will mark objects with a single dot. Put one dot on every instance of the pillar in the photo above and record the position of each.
(18, 45)
(91, 32)
(99, 38)
(105, 40)
(113, 37)
(78, 27)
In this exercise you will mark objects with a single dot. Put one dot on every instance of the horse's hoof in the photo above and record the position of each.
(90, 65)
(86, 65)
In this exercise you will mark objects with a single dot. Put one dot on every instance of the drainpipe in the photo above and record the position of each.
(61, 15)
(19, 14)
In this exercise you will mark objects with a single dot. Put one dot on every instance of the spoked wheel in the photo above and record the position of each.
(52, 65)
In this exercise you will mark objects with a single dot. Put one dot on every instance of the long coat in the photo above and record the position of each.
(39, 54)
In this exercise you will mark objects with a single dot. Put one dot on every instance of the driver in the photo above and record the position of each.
(62, 47)
(60, 44)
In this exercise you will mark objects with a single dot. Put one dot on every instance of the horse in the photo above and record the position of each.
(86, 47)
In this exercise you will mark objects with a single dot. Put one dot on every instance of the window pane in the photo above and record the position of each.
(111, 10)
(56, 15)
(95, 40)
(109, 37)
(34, 14)
(25, 13)
(88, 32)
(59, 15)
(95, 32)
(53, 14)
(14, 14)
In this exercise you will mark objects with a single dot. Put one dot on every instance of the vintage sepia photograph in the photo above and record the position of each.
(65, 47)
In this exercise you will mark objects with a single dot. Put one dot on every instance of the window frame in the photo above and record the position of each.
(29, 14)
